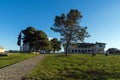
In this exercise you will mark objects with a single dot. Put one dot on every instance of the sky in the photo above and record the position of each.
(100, 16)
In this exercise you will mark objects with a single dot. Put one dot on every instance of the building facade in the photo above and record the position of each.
(25, 47)
(87, 48)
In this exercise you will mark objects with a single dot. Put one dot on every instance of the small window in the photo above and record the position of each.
(92, 50)
(100, 45)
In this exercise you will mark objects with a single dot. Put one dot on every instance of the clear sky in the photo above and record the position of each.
(102, 17)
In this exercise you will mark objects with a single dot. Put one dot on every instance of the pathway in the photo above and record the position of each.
(19, 70)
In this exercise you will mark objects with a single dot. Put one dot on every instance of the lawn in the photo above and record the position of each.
(77, 67)
(13, 58)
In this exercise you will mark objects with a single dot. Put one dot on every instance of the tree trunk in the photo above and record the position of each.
(66, 49)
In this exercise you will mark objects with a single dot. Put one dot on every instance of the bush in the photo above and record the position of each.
(3, 54)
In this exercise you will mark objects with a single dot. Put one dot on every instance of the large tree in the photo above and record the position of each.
(36, 39)
(41, 42)
(56, 45)
(69, 28)
(19, 40)
(28, 37)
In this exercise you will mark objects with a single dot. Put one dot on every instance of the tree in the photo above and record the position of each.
(49, 47)
(69, 28)
(36, 39)
(41, 42)
(113, 50)
(19, 40)
(28, 37)
(56, 45)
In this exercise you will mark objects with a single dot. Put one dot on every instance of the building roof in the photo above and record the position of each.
(86, 45)
(100, 43)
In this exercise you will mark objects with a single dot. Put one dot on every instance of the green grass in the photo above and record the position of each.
(77, 67)
(13, 58)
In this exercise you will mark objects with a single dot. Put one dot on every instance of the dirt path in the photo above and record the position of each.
(19, 70)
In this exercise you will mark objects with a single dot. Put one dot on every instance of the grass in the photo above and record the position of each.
(77, 67)
(13, 58)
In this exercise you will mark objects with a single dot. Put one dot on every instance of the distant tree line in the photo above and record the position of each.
(113, 50)
(37, 40)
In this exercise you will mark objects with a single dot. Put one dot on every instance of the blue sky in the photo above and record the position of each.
(100, 16)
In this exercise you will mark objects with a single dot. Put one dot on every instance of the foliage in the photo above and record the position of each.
(13, 58)
(36, 39)
(48, 48)
(56, 45)
(77, 67)
(19, 39)
(41, 41)
(69, 28)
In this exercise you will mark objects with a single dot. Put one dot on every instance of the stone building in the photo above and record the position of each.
(87, 48)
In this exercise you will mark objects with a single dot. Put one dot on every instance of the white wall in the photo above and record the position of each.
(2, 50)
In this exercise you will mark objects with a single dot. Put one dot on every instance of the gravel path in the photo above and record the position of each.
(19, 70)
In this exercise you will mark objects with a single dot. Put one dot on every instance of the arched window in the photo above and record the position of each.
(82, 51)
(79, 51)
(76, 50)
(72, 51)
(88, 50)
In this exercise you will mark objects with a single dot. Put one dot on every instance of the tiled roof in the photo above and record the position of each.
(85, 45)
(100, 43)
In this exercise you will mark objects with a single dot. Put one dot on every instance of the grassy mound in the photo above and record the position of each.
(77, 67)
